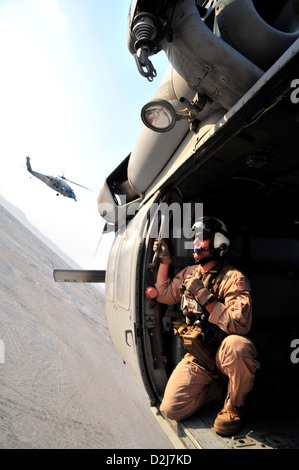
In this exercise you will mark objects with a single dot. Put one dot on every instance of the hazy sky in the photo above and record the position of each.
(70, 97)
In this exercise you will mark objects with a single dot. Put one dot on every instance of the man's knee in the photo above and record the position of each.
(178, 410)
(239, 346)
(237, 355)
(172, 410)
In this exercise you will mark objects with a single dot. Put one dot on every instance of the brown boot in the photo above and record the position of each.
(229, 422)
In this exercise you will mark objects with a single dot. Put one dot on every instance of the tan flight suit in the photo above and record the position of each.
(190, 386)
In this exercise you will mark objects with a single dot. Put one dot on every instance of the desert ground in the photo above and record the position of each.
(62, 384)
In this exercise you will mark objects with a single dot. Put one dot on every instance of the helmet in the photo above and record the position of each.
(215, 230)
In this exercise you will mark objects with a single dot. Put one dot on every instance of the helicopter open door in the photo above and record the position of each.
(137, 323)
(129, 328)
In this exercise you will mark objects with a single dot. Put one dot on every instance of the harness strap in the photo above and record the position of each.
(214, 278)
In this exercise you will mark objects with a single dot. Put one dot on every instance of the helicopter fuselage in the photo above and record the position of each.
(55, 183)
(234, 150)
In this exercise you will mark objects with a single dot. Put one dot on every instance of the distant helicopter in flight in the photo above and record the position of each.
(59, 184)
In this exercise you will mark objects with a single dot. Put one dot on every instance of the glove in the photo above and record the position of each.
(193, 284)
(164, 254)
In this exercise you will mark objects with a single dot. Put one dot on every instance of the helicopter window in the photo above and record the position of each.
(109, 284)
(123, 271)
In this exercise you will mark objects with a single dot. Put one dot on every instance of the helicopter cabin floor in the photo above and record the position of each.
(259, 432)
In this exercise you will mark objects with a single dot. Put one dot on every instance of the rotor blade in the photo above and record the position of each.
(100, 239)
(73, 182)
